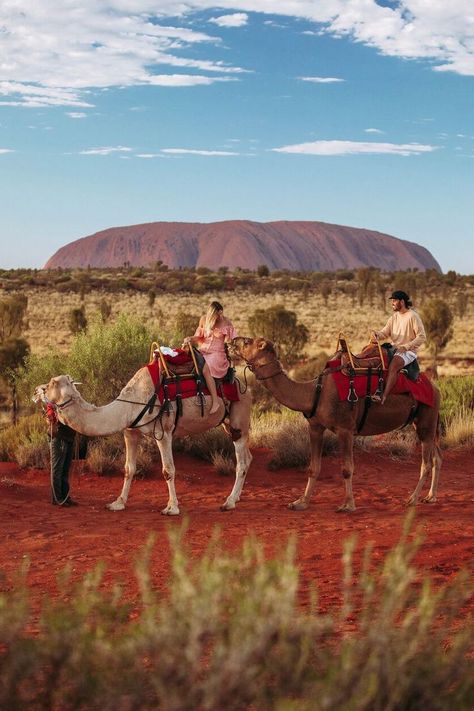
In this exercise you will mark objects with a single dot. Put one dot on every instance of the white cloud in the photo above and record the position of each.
(149, 155)
(76, 114)
(195, 152)
(61, 54)
(6, 150)
(237, 19)
(373, 130)
(341, 148)
(185, 80)
(106, 151)
(322, 80)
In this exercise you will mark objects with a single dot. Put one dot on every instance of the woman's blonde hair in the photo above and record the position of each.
(212, 314)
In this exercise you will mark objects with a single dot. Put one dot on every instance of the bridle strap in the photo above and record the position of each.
(255, 368)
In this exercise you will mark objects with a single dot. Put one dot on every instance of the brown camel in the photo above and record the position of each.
(342, 419)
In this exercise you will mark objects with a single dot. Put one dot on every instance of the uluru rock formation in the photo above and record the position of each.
(295, 245)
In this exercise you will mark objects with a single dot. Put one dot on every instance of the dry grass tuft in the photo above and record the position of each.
(223, 463)
(459, 429)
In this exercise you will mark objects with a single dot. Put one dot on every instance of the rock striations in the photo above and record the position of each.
(289, 245)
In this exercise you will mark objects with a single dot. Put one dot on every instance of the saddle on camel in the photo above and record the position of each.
(177, 375)
(364, 375)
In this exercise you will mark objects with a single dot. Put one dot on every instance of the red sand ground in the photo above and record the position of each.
(52, 537)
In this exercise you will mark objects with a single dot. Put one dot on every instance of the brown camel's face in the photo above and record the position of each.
(249, 349)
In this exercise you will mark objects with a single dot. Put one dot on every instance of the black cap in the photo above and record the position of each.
(400, 295)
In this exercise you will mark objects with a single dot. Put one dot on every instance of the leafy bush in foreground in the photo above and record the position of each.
(230, 635)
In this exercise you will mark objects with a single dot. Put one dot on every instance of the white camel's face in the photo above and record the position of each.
(57, 390)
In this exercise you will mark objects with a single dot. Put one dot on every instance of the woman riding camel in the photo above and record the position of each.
(211, 336)
(406, 331)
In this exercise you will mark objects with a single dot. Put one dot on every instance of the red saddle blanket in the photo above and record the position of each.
(421, 389)
(188, 386)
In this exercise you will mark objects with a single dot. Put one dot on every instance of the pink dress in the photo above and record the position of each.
(212, 347)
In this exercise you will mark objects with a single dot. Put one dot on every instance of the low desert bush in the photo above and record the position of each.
(311, 368)
(206, 445)
(459, 429)
(286, 435)
(229, 634)
(106, 455)
(223, 463)
(399, 444)
(103, 359)
(457, 394)
(26, 443)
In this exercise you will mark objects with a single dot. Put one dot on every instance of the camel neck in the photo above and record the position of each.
(295, 395)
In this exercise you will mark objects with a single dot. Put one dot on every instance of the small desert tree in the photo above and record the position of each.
(13, 353)
(12, 317)
(280, 326)
(105, 310)
(78, 320)
(437, 318)
(13, 348)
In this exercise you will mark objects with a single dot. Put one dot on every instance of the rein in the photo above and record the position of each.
(254, 368)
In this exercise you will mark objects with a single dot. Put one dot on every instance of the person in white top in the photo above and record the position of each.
(406, 331)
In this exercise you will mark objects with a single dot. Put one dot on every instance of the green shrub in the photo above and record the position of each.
(26, 443)
(103, 359)
(310, 369)
(457, 393)
(206, 445)
(106, 455)
(229, 634)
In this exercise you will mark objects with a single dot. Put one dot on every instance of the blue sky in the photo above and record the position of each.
(118, 112)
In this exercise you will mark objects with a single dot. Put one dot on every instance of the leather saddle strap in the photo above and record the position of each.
(367, 401)
(317, 396)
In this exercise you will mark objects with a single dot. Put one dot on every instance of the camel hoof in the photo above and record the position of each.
(411, 501)
(170, 511)
(346, 508)
(115, 506)
(298, 505)
(227, 506)
(430, 499)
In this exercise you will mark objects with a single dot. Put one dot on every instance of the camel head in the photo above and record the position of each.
(58, 391)
(253, 351)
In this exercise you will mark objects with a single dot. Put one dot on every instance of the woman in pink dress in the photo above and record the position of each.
(213, 332)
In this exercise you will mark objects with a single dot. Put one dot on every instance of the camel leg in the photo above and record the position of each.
(316, 433)
(426, 463)
(244, 459)
(436, 462)
(346, 444)
(165, 445)
(131, 438)
(427, 429)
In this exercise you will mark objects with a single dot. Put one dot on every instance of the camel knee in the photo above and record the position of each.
(167, 476)
(346, 473)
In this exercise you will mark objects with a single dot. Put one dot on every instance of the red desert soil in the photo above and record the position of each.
(52, 537)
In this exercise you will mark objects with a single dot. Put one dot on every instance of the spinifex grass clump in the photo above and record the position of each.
(229, 634)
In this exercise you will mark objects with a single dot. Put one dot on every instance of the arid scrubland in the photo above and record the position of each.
(48, 316)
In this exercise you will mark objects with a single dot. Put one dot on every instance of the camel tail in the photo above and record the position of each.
(437, 442)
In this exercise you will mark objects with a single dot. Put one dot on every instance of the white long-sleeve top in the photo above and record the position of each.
(404, 330)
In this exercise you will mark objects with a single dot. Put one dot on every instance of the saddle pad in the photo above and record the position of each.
(179, 359)
(189, 387)
(421, 389)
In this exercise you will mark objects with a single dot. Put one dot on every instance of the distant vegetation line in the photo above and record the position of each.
(362, 283)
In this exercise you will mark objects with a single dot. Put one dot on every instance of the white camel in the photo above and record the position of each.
(118, 415)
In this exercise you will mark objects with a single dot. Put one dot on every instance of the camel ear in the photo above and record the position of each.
(265, 345)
